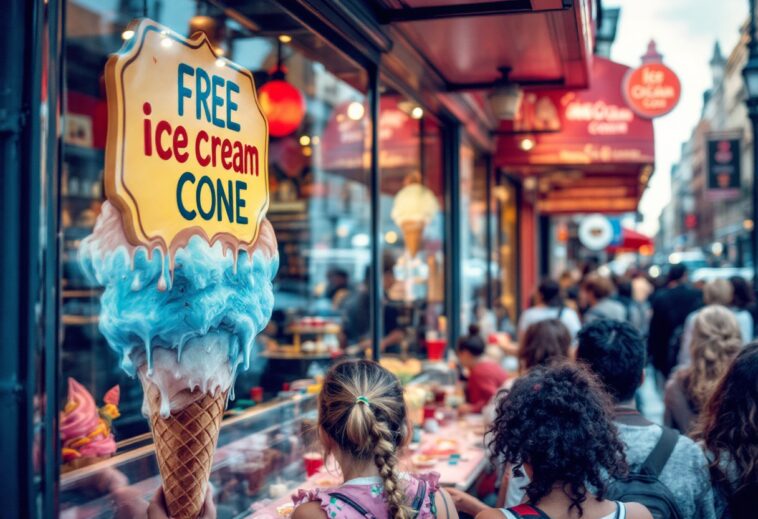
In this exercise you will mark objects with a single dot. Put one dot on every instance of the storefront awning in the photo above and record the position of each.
(633, 241)
(589, 151)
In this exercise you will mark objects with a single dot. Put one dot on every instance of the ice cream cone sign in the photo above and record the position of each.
(182, 246)
(414, 207)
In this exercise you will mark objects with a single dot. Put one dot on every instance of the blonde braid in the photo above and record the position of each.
(716, 340)
(386, 461)
(361, 408)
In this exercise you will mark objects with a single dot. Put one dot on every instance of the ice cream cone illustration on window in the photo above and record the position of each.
(415, 206)
(182, 245)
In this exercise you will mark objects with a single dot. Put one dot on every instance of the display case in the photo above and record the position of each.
(259, 455)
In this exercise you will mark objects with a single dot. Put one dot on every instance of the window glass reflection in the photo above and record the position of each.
(412, 212)
(315, 100)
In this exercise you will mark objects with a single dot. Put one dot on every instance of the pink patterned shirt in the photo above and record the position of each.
(363, 498)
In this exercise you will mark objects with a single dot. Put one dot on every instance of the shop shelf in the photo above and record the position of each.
(79, 320)
(256, 448)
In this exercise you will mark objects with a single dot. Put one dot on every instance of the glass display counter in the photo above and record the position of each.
(257, 449)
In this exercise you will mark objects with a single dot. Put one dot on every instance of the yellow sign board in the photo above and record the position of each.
(187, 147)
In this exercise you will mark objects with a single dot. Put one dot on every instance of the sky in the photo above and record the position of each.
(685, 31)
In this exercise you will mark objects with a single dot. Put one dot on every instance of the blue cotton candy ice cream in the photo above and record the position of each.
(187, 332)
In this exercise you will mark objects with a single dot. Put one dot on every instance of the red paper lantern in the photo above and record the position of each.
(283, 105)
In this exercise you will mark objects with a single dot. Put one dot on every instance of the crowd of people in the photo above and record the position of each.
(566, 438)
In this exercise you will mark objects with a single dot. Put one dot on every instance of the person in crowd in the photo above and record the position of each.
(671, 306)
(485, 376)
(337, 287)
(362, 422)
(716, 292)
(544, 343)
(356, 322)
(715, 342)
(642, 288)
(549, 305)
(616, 353)
(744, 300)
(595, 297)
(569, 289)
(635, 313)
(567, 461)
(158, 509)
(728, 429)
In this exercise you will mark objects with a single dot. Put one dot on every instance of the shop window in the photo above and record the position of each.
(475, 307)
(412, 227)
(506, 253)
(319, 195)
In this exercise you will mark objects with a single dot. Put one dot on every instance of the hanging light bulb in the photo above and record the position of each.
(355, 111)
(505, 100)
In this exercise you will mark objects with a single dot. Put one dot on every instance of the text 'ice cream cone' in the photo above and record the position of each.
(414, 207)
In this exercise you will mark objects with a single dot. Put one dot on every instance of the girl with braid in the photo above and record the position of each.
(362, 422)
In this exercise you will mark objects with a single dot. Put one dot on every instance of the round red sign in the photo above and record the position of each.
(652, 90)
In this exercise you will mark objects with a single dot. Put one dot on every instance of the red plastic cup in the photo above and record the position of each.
(435, 348)
(429, 411)
(256, 394)
(313, 461)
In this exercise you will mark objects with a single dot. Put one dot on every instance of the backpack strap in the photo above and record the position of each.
(526, 511)
(657, 459)
(419, 499)
(352, 504)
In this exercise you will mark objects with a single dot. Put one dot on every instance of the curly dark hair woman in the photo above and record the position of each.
(729, 430)
(556, 425)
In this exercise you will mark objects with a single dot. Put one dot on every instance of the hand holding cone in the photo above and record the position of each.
(185, 443)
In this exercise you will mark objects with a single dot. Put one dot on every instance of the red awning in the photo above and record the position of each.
(591, 152)
(632, 241)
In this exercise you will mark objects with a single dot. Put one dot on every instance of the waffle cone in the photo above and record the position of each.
(185, 443)
(413, 233)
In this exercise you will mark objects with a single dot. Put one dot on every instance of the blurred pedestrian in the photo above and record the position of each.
(549, 305)
(544, 343)
(715, 342)
(569, 289)
(595, 297)
(744, 299)
(715, 292)
(729, 431)
(485, 376)
(642, 288)
(670, 308)
(635, 312)
(616, 353)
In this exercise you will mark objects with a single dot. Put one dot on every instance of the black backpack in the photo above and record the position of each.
(643, 485)
(674, 346)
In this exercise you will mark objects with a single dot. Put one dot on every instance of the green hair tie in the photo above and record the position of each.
(362, 400)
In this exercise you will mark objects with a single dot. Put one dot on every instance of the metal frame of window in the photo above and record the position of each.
(30, 155)
(30, 35)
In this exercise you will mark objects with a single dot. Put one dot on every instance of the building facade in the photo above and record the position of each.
(701, 218)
